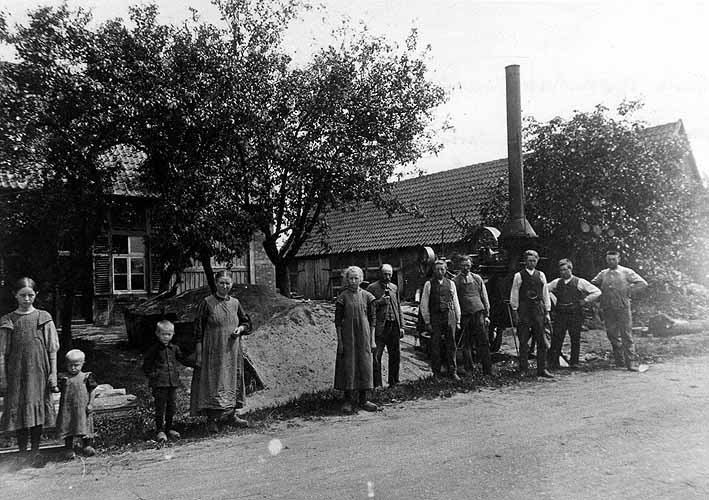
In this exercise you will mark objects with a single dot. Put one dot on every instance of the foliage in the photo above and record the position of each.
(597, 181)
(333, 133)
(56, 121)
(237, 137)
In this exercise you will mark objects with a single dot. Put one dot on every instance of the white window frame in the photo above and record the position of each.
(128, 258)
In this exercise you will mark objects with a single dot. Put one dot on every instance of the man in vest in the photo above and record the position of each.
(474, 316)
(569, 294)
(530, 302)
(441, 313)
(389, 326)
(617, 284)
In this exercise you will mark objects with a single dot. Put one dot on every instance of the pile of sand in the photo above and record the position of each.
(294, 354)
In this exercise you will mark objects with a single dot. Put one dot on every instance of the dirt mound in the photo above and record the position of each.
(294, 354)
(291, 351)
(259, 302)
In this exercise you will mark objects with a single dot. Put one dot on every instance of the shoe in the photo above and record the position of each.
(161, 437)
(237, 421)
(369, 406)
(88, 451)
(173, 434)
(545, 374)
(347, 407)
(455, 377)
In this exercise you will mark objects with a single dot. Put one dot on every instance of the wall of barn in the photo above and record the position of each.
(321, 277)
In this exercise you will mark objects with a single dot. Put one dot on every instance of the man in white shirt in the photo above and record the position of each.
(617, 284)
(530, 302)
(441, 313)
(569, 294)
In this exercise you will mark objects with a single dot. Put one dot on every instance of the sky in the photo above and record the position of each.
(573, 55)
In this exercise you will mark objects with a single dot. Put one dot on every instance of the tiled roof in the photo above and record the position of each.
(441, 198)
(124, 158)
(127, 161)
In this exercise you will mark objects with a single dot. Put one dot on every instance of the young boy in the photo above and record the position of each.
(160, 365)
(75, 422)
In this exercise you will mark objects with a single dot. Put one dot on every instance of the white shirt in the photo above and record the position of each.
(424, 307)
(517, 282)
(592, 292)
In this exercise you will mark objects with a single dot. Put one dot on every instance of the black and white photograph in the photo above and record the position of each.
(344, 250)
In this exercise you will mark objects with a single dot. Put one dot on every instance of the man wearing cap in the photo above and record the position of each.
(617, 284)
(474, 319)
(569, 294)
(389, 326)
(530, 302)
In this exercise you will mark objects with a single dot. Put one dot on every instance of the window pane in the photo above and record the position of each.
(137, 282)
(137, 266)
(137, 244)
(120, 282)
(120, 265)
(120, 244)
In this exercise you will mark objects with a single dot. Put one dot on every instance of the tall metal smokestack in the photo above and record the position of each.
(517, 225)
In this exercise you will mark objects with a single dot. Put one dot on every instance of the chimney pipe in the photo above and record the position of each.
(517, 225)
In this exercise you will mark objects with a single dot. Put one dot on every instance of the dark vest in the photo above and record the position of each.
(532, 288)
(568, 295)
(441, 298)
(470, 294)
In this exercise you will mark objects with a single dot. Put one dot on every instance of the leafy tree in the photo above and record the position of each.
(333, 133)
(178, 90)
(57, 121)
(241, 139)
(598, 181)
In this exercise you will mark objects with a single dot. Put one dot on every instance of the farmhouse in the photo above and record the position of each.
(123, 270)
(368, 237)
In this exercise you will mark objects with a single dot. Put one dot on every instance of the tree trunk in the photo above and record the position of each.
(206, 261)
(283, 278)
(65, 340)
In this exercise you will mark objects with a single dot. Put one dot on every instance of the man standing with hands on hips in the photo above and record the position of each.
(389, 326)
(617, 284)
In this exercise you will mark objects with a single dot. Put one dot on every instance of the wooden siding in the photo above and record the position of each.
(313, 280)
(196, 278)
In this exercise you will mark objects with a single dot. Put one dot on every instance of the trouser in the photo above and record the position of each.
(442, 339)
(34, 434)
(165, 407)
(474, 332)
(620, 334)
(389, 338)
(531, 324)
(566, 322)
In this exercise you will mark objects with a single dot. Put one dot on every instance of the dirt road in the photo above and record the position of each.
(600, 435)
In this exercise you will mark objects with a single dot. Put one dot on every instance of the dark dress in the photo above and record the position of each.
(219, 384)
(355, 316)
(26, 340)
(73, 419)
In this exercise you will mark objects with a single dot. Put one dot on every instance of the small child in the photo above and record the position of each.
(160, 365)
(75, 422)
